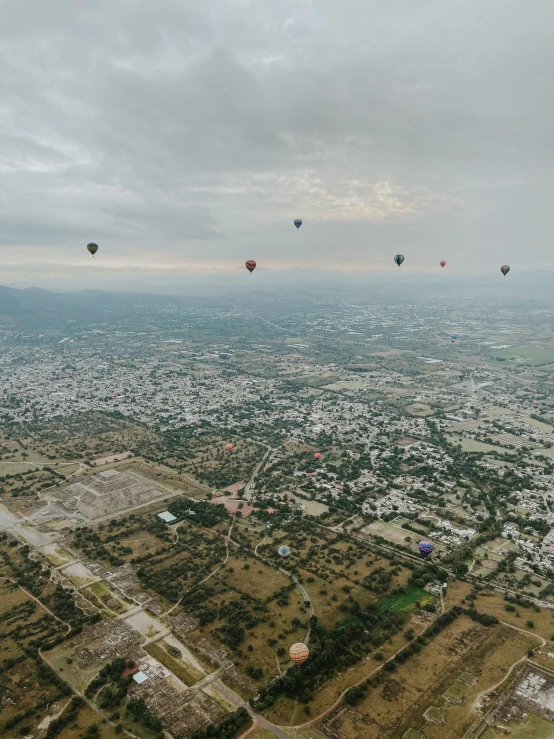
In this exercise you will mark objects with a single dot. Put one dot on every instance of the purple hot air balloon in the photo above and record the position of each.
(425, 548)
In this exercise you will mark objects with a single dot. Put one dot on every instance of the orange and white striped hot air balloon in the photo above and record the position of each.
(299, 653)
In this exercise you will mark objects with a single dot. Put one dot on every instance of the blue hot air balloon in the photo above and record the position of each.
(425, 548)
(284, 551)
(297, 222)
(399, 258)
(454, 337)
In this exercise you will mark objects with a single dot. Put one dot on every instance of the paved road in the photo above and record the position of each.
(250, 482)
(238, 702)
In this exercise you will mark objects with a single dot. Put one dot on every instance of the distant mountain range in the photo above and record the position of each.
(33, 308)
(38, 309)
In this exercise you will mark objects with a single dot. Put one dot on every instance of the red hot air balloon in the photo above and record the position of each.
(443, 263)
(228, 447)
(317, 455)
(250, 265)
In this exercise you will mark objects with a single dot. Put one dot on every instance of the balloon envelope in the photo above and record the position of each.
(399, 258)
(228, 447)
(505, 269)
(297, 222)
(443, 263)
(317, 455)
(299, 653)
(92, 247)
(250, 265)
(425, 548)
(284, 551)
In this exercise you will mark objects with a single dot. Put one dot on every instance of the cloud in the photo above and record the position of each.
(172, 129)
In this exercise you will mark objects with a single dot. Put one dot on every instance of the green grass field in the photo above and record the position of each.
(405, 601)
(530, 355)
(184, 672)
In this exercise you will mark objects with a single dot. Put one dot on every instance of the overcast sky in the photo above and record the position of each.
(187, 136)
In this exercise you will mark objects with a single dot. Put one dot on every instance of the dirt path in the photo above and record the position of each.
(355, 685)
(253, 477)
(254, 726)
(301, 589)
(483, 693)
(40, 603)
(227, 539)
(89, 703)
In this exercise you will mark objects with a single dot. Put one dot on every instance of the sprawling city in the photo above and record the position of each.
(192, 487)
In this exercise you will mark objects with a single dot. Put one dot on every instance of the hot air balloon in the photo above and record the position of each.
(317, 455)
(92, 247)
(299, 653)
(454, 337)
(425, 548)
(443, 263)
(228, 447)
(283, 550)
(399, 258)
(536, 404)
(250, 265)
(297, 222)
(505, 269)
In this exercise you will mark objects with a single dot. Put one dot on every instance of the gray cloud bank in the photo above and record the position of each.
(188, 136)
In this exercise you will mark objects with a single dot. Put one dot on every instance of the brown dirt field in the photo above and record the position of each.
(543, 620)
(165, 476)
(401, 699)
(234, 489)
(287, 712)
(87, 717)
(278, 625)
(22, 691)
(233, 505)
(489, 564)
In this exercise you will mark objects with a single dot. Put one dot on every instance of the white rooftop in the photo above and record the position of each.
(140, 677)
(167, 516)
